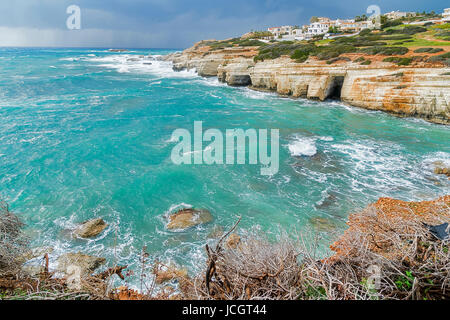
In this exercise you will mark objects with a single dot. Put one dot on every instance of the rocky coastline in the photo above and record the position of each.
(421, 90)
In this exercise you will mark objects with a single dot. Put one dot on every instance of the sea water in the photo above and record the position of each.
(86, 133)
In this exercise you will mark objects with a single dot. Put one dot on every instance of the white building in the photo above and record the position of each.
(280, 31)
(318, 28)
(446, 15)
(399, 14)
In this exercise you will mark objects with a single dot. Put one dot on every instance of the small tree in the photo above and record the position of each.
(314, 19)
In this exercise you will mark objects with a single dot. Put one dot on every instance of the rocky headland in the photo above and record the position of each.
(421, 89)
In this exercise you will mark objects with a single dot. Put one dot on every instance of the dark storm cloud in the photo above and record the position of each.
(168, 23)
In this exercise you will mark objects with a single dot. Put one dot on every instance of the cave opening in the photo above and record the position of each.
(336, 87)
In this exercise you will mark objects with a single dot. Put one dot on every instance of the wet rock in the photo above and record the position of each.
(442, 170)
(90, 229)
(233, 241)
(86, 263)
(322, 224)
(34, 253)
(168, 274)
(216, 232)
(187, 218)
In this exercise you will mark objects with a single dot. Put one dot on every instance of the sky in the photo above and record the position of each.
(169, 23)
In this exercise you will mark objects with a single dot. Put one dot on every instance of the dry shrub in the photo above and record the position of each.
(13, 243)
(255, 269)
(387, 253)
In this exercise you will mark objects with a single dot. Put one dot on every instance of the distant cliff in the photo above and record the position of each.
(421, 90)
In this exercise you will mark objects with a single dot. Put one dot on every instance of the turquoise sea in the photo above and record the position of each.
(87, 133)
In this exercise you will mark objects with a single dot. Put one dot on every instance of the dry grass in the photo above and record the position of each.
(13, 243)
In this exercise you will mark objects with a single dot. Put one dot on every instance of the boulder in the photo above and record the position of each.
(90, 229)
(34, 253)
(86, 263)
(169, 273)
(187, 218)
(442, 170)
(233, 241)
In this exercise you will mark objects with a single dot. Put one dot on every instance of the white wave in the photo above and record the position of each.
(437, 159)
(302, 146)
(327, 139)
(127, 63)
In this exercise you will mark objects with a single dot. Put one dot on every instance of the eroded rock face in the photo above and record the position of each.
(86, 263)
(421, 91)
(187, 218)
(90, 229)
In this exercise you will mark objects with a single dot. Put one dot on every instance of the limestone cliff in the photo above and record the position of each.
(421, 90)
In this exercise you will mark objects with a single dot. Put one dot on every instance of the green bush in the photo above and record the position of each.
(387, 51)
(366, 63)
(365, 32)
(302, 53)
(399, 60)
(251, 43)
(360, 59)
(443, 58)
(333, 51)
(276, 50)
(331, 61)
(428, 50)
(410, 30)
(391, 23)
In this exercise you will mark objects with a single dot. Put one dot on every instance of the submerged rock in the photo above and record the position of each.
(86, 263)
(322, 224)
(187, 218)
(90, 228)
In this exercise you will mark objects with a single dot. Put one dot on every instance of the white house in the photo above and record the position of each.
(399, 14)
(280, 31)
(318, 28)
(446, 15)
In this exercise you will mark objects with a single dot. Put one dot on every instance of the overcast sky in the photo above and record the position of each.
(169, 23)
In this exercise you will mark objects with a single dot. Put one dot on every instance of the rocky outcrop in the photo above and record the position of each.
(421, 91)
(187, 218)
(86, 263)
(373, 224)
(90, 229)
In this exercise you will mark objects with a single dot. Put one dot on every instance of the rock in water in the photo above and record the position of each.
(86, 263)
(233, 241)
(187, 218)
(90, 229)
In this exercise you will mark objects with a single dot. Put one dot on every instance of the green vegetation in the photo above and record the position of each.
(399, 60)
(393, 40)
(261, 34)
(443, 58)
(387, 51)
(279, 49)
(428, 50)
(331, 61)
(219, 45)
(366, 63)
